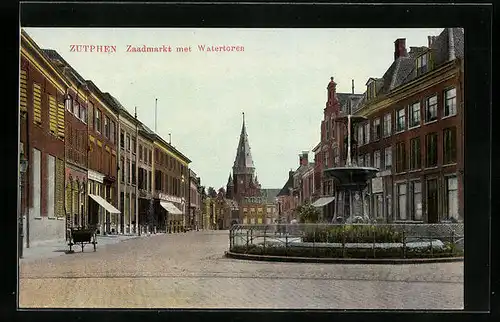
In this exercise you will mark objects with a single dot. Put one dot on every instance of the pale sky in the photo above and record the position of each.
(279, 81)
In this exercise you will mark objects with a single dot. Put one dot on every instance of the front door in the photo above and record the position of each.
(432, 201)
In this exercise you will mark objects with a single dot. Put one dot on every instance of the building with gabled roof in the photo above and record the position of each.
(414, 133)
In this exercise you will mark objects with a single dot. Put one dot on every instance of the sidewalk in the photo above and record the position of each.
(55, 249)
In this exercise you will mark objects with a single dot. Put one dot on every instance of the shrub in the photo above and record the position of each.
(354, 234)
(449, 250)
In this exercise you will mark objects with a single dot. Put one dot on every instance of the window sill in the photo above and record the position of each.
(448, 116)
(431, 168)
(430, 122)
(51, 218)
(449, 165)
(399, 132)
(414, 127)
(415, 170)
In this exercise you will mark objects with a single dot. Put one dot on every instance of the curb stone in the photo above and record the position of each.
(341, 260)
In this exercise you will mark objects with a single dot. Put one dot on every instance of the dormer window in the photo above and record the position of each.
(422, 64)
(371, 89)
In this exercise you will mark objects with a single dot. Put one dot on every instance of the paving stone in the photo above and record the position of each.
(189, 271)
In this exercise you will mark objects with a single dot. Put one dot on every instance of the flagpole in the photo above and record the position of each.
(156, 114)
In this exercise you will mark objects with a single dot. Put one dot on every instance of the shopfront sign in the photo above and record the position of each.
(95, 176)
(166, 197)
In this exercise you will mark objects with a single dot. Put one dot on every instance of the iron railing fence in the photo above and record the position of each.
(331, 238)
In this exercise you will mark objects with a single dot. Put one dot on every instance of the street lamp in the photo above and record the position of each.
(23, 167)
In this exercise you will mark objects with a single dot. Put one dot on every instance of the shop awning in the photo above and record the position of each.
(106, 205)
(323, 201)
(168, 206)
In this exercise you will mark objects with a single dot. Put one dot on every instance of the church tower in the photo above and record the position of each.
(230, 187)
(244, 169)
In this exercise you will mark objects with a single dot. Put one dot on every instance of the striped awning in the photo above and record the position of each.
(323, 201)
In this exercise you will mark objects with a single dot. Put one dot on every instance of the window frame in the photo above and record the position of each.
(398, 118)
(415, 156)
(399, 195)
(452, 131)
(387, 130)
(401, 157)
(446, 99)
(427, 109)
(427, 150)
(411, 115)
(377, 129)
(388, 152)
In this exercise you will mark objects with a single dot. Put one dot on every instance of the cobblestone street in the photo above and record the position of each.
(189, 271)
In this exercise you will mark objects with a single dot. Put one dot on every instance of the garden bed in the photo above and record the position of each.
(352, 251)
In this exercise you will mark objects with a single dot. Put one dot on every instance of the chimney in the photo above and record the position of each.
(400, 48)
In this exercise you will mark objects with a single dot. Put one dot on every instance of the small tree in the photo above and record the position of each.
(308, 213)
(211, 192)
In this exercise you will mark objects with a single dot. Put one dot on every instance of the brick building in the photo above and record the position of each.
(102, 158)
(76, 143)
(43, 90)
(414, 132)
(194, 201)
(145, 170)
(170, 186)
(126, 184)
(330, 150)
(287, 201)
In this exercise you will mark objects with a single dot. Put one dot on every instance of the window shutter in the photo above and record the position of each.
(23, 93)
(37, 103)
(60, 120)
(52, 114)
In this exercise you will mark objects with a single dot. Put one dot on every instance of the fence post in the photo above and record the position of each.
(265, 233)
(404, 243)
(430, 239)
(374, 233)
(286, 244)
(453, 237)
(230, 239)
(251, 236)
(343, 240)
(247, 241)
(314, 240)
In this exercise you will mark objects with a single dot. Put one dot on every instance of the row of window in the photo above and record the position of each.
(127, 173)
(404, 122)
(165, 160)
(449, 148)
(56, 109)
(101, 159)
(168, 184)
(145, 154)
(409, 200)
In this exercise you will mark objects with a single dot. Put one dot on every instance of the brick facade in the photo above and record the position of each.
(401, 170)
(43, 89)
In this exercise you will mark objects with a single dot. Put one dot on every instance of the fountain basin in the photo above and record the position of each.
(351, 178)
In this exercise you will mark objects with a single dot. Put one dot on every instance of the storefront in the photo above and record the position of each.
(169, 214)
(102, 214)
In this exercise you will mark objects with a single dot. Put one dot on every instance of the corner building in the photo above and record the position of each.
(414, 133)
(43, 90)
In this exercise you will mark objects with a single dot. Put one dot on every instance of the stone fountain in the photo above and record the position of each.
(351, 180)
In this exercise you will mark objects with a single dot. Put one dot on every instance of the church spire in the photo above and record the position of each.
(243, 162)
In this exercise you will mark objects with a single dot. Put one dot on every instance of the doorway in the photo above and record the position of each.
(432, 201)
